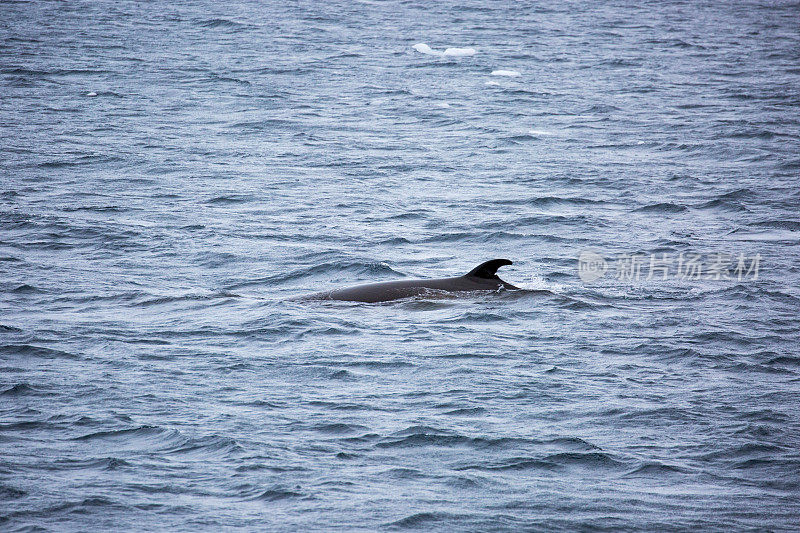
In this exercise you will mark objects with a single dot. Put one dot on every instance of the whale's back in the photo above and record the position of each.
(483, 277)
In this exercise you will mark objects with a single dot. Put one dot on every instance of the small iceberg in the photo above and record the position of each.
(425, 49)
(505, 73)
(449, 52)
(458, 52)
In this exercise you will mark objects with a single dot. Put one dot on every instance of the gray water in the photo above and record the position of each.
(174, 174)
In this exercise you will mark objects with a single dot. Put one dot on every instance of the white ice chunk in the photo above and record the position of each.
(425, 49)
(449, 52)
(505, 73)
(459, 52)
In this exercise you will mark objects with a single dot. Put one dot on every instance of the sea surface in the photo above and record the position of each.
(174, 174)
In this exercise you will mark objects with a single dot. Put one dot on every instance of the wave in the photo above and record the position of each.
(11, 493)
(379, 365)
(354, 270)
(95, 208)
(35, 351)
(229, 199)
(555, 461)
(153, 438)
(26, 289)
(784, 360)
(791, 225)
(423, 520)
(102, 463)
(53, 72)
(339, 428)
(749, 450)
(466, 411)
(600, 108)
(79, 161)
(655, 470)
(573, 443)
(220, 23)
(276, 494)
(207, 447)
(22, 389)
(161, 300)
(662, 207)
(722, 204)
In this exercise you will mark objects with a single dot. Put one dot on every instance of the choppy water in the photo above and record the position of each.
(172, 175)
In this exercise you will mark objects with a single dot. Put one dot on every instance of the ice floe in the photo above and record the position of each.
(505, 73)
(449, 52)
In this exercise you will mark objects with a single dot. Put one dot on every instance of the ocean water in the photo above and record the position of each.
(174, 174)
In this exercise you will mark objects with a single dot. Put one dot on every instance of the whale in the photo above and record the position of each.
(481, 278)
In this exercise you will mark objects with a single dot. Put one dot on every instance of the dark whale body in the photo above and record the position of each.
(481, 278)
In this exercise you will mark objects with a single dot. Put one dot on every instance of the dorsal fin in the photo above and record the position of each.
(488, 270)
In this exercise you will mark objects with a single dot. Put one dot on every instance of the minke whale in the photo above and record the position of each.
(481, 278)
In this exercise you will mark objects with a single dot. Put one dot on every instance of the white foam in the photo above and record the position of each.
(443, 105)
(505, 73)
(536, 283)
(492, 84)
(539, 132)
(449, 52)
